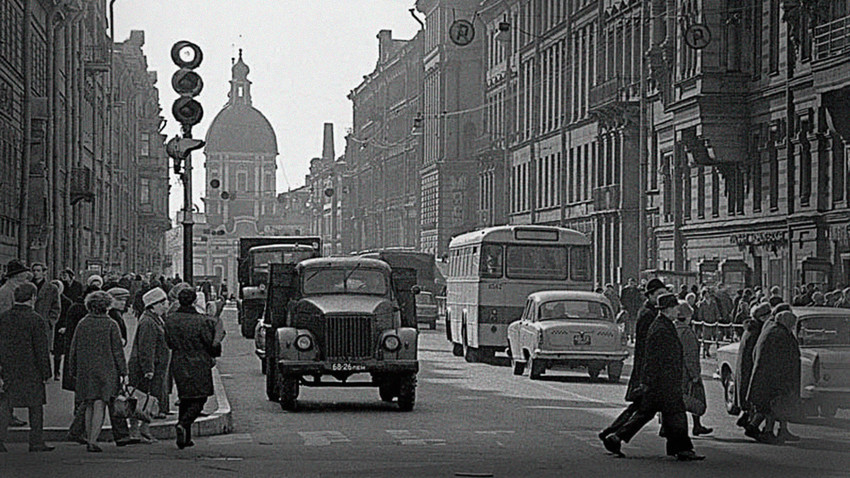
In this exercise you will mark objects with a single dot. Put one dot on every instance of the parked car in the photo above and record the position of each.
(567, 329)
(426, 309)
(824, 336)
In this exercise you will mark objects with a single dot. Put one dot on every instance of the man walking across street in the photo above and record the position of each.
(744, 365)
(47, 302)
(654, 289)
(632, 300)
(660, 381)
(16, 274)
(25, 365)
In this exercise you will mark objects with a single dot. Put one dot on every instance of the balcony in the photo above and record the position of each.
(82, 188)
(97, 58)
(832, 39)
(606, 198)
(609, 93)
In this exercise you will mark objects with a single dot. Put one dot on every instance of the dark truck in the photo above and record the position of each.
(426, 270)
(255, 255)
(330, 318)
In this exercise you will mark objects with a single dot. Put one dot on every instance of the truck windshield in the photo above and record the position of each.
(345, 281)
(264, 258)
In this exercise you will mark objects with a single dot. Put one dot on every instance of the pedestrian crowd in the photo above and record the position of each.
(178, 335)
(666, 376)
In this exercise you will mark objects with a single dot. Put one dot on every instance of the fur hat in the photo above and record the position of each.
(119, 293)
(760, 311)
(15, 267)
(153, 297)
(666, 301)
(94, 278)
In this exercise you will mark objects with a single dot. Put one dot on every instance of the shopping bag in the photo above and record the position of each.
(147, 406)
(694, 398)
(124, 405)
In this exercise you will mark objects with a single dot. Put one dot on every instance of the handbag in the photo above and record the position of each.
(694, 398)
(124, 405)
(146, 405)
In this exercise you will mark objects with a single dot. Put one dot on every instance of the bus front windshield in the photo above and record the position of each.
(345, 281)
(536, 262)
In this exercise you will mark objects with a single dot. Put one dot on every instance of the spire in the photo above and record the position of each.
(328, 142)
(240, 86)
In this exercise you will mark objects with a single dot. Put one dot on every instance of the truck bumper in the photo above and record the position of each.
(288, 367)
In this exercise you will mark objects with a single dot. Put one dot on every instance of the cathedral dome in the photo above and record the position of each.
(239, 127)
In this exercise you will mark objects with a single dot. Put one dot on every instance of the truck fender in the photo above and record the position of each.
(409, 343)
(286, 349)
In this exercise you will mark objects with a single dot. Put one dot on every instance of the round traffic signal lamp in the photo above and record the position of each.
(187, 111)
(186, 82)
(215, 183)
(225, 195)
(186, 54)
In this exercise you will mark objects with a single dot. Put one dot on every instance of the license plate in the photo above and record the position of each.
(347, 367)
(581, 339)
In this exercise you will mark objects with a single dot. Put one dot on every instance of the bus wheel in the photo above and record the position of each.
(470, 354)
(457, 350)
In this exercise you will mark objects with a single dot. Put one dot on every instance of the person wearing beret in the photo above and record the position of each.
(660, 380)
(744, 363)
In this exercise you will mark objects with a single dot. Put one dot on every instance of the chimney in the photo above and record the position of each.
(385, 38)
(328, 142)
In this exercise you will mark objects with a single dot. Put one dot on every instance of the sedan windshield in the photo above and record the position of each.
(575, 309)
(817, 331)
(345, 281)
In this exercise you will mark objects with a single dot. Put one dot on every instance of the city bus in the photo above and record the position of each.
(491, 273)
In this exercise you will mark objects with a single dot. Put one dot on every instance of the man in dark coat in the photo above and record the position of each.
(744, 364)
(47, 303)
(191, 337)
(25, 365)
(654, 289)
(775, 384)
(661, 384)
(73, 288)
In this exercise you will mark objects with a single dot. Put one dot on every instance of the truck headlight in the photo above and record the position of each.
(303, 343)
(392, 343)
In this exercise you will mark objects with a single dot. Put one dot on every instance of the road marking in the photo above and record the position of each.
(577, 396)
(469, 397)
(496, 433)
(407, 437)
(323, 438)
(605, 412)
(235, 439)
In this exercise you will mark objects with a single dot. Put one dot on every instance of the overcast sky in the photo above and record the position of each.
(305, 56)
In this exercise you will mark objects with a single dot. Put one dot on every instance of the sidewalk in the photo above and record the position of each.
(59, 411)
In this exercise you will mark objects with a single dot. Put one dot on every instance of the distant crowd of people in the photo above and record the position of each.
(177, 337)
(666, 375)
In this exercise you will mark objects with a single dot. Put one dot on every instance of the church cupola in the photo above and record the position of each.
(240, 86)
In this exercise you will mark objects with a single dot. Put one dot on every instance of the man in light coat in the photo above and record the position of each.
(47, 302)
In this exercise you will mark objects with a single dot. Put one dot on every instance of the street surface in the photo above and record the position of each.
(469, 420)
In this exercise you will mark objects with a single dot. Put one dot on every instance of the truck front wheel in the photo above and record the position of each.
(388, 390)
(407, 392)
(288, 393)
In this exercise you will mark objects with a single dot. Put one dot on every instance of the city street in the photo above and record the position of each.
(469, 420)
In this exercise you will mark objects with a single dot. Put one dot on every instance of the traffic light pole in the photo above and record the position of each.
(188, 215)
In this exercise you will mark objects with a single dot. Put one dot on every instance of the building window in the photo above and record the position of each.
(242, 181)
(774, 36)
(145, 191)
(715, 192)
(757, 172)
(700, 192)
(686, 191)
(805, 173)
(774, 177)
(837, 169)
(757, 39)
(144, 144)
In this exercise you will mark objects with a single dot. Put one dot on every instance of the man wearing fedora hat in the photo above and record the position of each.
(654, 289)
(16, 274)
(660, 380)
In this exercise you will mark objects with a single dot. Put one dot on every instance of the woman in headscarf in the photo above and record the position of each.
(191, 337)
(692, 386)
(96, 363)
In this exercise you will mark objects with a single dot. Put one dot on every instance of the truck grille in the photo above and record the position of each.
(348, 337)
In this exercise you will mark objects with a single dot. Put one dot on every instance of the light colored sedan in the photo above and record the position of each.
(567, 329)
(824, 337)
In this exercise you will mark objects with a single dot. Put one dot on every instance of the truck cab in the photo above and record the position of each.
(333, 318)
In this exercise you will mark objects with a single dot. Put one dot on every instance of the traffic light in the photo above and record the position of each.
(179, 148)
(187, 83)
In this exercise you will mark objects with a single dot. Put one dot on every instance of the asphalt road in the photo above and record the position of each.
(469, 420)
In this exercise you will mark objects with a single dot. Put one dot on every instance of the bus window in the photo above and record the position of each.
(491, 262)
(536, 262)
(580, 263)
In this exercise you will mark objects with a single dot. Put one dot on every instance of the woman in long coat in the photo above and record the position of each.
(692, 386)
(96, 363)
(744, 362)
(60, 345)
(775, 385)
(75, 314)
(149, 357)
(191, 337)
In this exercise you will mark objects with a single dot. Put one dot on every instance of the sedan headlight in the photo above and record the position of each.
(392, 343)
(303, 343)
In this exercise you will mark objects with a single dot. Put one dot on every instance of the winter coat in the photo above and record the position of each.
(776, 367)
(692, 370)
(708, 311)
(74, 290)
(744, 363)
(62, 340)
(116, 315)
(646, 316)
(724, 305)
(48, 305)
(663, 368)
(96, 359)
(615, 301)
(24, 357)
(632, 299)
(149, 354)
(191, 336)
(7, 295)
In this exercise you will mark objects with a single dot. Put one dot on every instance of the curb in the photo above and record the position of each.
(219, 422)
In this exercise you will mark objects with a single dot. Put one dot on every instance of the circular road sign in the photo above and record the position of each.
(462, 32)
(697, 36)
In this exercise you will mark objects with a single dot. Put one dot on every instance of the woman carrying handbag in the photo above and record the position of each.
(693, 390)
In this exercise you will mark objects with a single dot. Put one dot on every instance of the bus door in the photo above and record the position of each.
(403, 281)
